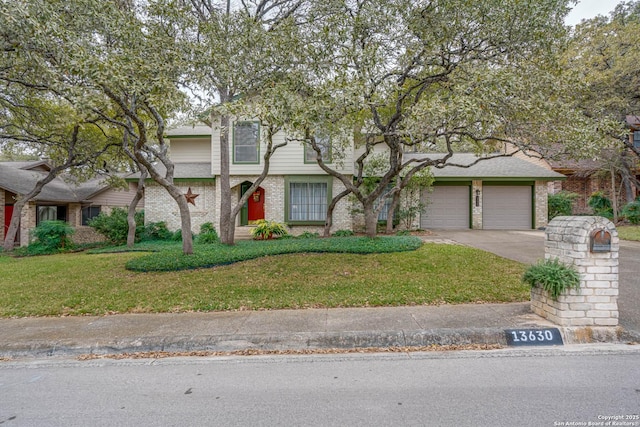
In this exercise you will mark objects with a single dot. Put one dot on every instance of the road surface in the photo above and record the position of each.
(504, 388)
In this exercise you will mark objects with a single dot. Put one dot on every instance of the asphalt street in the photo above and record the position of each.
(501, 388)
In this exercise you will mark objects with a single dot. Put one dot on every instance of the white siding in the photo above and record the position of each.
(287, 160)
(190, 150)
(117, 197)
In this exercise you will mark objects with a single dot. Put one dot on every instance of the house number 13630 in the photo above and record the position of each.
(549, 336)
(524, 336)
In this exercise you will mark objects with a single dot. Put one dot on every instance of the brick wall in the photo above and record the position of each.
(476, 211)
(160, 206)
(595, 303)
(541, 189)
(27, 222)
(274, 188)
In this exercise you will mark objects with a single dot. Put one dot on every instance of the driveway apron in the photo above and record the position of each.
(527, 246)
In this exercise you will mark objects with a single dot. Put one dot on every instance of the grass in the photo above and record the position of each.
(97, 284)
(629, 232)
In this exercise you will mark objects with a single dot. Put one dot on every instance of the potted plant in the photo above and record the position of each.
(264, 230)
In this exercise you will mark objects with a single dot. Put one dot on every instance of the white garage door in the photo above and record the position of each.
(447, 207)
(506, 207)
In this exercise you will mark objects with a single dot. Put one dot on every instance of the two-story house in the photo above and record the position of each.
(500, 193)
(296, 191)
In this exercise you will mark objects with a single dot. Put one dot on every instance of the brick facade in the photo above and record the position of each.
(476, 209)
(584, 187)
(160, 206)
(595, 303)
(541, 189)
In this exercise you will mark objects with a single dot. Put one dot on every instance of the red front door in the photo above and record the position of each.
(255, 206)
(8, 212)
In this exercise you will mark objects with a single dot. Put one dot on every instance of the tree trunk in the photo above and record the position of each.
(14, 225)
(185, 221)
(395, 201)
(10, 238)
(370, 220)
(131, 213)
(614, 196)
(329, 221)
(227, 227)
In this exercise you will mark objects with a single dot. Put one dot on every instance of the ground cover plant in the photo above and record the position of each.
(97, 284)
(553, 276)
(214, 255)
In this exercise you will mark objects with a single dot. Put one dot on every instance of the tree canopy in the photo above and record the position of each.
(604, 53)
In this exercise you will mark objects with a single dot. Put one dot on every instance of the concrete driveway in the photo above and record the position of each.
(527, 246)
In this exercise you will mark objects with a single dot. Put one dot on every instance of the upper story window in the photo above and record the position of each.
(246, 142)
(324, 143)
(636, 139)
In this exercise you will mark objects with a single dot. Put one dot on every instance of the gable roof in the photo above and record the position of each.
(21, 177)
(497, 168)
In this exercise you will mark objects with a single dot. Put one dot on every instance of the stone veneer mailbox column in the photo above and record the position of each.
(590, 244)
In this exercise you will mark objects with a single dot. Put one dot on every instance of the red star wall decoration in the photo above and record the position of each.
(191, 197)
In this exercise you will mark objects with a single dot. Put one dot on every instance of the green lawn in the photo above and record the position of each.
(629, 232)
(81, 283)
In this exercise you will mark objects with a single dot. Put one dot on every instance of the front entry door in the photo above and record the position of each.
(253, 209)
(255, 206)
(8, 213)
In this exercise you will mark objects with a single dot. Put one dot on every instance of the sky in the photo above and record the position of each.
(586, 9)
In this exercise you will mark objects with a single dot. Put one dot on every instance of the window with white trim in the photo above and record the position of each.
(246, 140)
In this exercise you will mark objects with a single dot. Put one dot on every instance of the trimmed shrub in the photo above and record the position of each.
(156, 231)
(601, 205)
(208, 234)
(51, 237)
(561, 204)
(631, 212)
(114, 225)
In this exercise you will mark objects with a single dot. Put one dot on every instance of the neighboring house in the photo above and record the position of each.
(587, 176)
(501, 193)
(61, 199)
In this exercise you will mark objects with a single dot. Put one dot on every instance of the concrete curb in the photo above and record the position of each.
(290, 341)
(300, 341)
